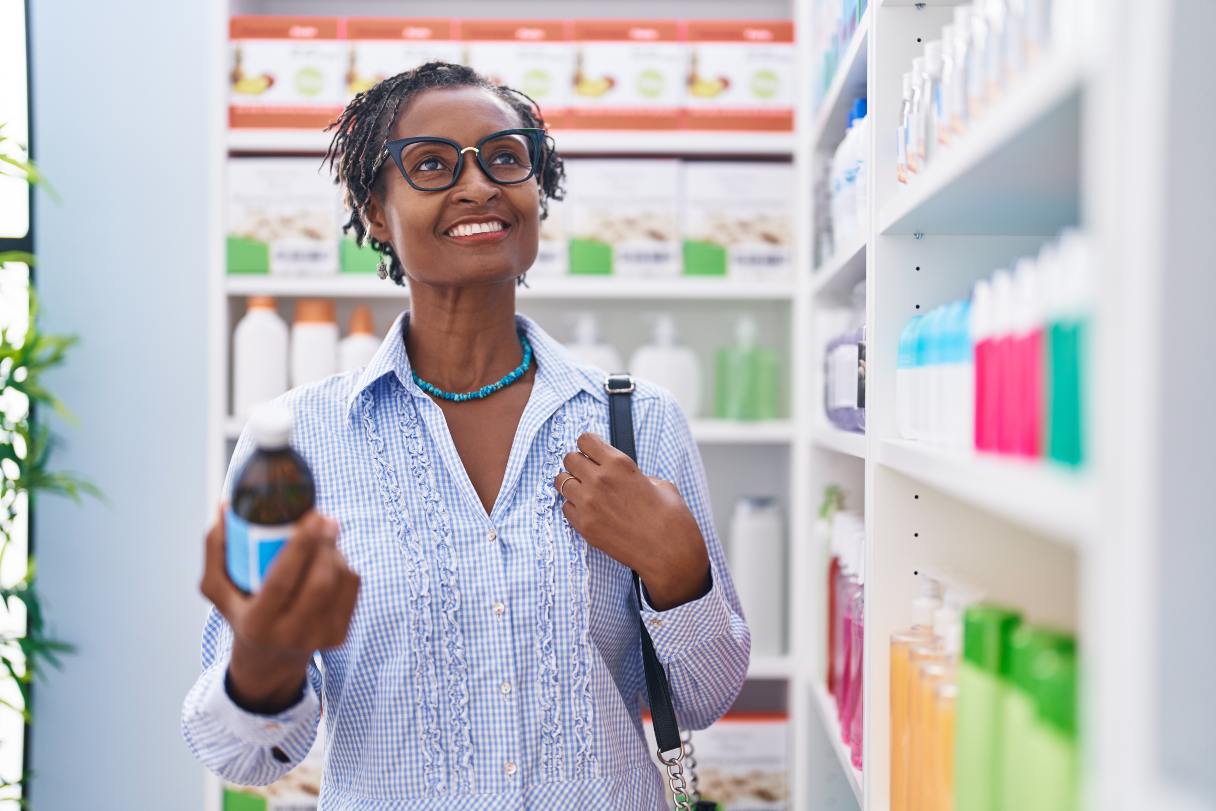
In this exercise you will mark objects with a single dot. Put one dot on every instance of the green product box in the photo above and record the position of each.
(355, 259)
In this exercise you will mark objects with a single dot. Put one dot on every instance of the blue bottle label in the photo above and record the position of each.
(250, 549)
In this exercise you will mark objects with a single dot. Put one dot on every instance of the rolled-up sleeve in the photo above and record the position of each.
(705, 643)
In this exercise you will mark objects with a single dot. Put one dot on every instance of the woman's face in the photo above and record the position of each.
(418, 224)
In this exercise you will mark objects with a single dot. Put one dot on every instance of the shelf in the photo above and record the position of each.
(1037, 495)
(570, 142)
(553, 288)
(837, 276)
(706, 432)
(1014, 172)
(834, 439)
(849, 82)
(770, 667)
(831, 728)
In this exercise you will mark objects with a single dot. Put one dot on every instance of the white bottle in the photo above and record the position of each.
(588, 348)
(757, 563)
(361, 344)
(901, 132)
(861, 173)
(671, 365)
(943, 104)
(259, 362)
(920, 107)
(930, 92)
(959, 111)
(314, 341)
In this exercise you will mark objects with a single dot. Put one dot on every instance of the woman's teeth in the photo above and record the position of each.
(470, 228)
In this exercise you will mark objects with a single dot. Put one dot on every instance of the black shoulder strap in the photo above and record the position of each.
(658, 690)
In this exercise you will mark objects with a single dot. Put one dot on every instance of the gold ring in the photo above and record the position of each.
(569, 478)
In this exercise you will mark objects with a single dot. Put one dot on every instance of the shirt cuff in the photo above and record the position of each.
(252, 728)
(679, 631)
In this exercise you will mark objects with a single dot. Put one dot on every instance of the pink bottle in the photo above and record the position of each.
(1029, 348)
(985, 394)
(1004, 364)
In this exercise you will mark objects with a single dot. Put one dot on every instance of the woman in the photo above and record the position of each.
(470, 596)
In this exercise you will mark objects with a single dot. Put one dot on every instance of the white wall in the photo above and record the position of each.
(121, 127)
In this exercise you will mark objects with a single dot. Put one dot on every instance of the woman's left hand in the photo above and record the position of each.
(640, 521)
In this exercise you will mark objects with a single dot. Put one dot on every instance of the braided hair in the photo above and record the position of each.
(356, 153)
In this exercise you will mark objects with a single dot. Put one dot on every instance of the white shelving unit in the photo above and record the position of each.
(1043, 157)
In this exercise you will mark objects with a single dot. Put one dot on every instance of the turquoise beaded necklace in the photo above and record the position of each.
(484, 391)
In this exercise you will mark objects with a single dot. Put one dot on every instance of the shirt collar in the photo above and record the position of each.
(556, 368)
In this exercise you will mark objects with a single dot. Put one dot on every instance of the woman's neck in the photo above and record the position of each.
(460, 339)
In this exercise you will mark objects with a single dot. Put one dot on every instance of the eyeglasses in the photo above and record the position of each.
(434, 164)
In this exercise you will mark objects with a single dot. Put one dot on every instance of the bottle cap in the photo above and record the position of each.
(1056, 690)
(907, 86)
(586, 330)
(918, 69)
(664, 330)
(270, 426)
(858, 110)
(361, 322)
(745, 332)
(985, 629)
(315, 311)
(261, 303)
(929, 601)
(907, 356)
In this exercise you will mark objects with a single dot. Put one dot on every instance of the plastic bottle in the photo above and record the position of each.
(905, 369)
(861, 171)
(919, 109)
(983, 678)
(996, 16)
(843, 368)
(930, 93)
(902, 132)
(360, 344)
(857, 715)
(901, 643)
(982, 339)
(977, 65)
(272, 491)
(259, 356)
(1053, 755)
(314, 341)
(1005, 383)
(1028, 360)
(833, 502)
(958, 371)
(673, 365)
(757, 547)
(1027, 647)
(943, 103)
(848, 525)
(745, 382)
(1068, 338)
(960, 114)
(588, 348)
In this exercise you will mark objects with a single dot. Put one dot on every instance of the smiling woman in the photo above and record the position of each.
(493, 657)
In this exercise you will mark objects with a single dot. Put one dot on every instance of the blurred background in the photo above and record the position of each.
(930, 280)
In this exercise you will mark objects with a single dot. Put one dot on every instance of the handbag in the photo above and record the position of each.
(681, 767)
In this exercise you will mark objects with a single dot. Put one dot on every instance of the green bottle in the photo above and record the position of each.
(1054, 751)
(1027, 645)
(982, 681)
(745, 377)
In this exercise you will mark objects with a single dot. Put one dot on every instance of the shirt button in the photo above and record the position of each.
(499, 609)
(506, 688)
(492, 536)
(509, 768)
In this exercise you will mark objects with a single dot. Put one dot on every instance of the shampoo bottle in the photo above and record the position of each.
(259, 356)
(314, 341)
(672, 365)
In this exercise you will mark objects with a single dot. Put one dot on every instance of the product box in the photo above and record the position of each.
(737, 219)
(741, 75)
(624, 217)
(553, 250)
(628, 74)
(535, 57)
(742, 761)
(298, 790)
(380, 47)
(285, 72)
(284, 217)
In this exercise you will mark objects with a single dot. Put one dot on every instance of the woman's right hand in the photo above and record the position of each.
(305, 605)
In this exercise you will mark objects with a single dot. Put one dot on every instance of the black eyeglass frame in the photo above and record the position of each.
(536, 153)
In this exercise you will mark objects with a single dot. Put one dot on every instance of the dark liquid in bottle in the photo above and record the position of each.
(275, 487)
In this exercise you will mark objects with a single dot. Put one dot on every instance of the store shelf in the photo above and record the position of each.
(834, 439)
(1037, 495)
(849, 82)
(563, 288)
(831, 728)
(770, 667)
(707, 432)
(570, 142)
(837, 276)
(1014, 172)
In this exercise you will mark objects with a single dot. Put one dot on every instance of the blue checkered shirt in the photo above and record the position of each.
(493, 661)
